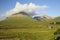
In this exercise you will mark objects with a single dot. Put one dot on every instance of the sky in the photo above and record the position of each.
(53, 6)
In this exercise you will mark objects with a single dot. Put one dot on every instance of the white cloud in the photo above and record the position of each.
(2, 16)
(29, 8)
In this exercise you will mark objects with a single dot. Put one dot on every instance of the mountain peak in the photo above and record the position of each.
(23, 13)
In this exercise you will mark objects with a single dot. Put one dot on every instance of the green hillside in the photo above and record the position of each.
(21, 21)
(57, 19)
(23, 27)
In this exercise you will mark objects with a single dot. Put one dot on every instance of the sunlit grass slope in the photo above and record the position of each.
(23, 27)
(22, 21)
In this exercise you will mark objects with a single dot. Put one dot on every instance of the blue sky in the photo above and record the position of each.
(52, 10)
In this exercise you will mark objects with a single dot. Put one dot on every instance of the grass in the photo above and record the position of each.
(28, 33)
(26, 28)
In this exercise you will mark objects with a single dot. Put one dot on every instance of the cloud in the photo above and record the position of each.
(2, 16)
(30, 8)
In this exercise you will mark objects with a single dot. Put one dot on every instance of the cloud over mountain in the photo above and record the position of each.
(30, 8)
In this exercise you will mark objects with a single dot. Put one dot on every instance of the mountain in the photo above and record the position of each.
(18, 9)
(19, 20)
(43, 18)
(22, 20)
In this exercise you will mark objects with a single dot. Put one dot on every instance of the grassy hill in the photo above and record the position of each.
(21, 21)
(57, 19)
(23, 27)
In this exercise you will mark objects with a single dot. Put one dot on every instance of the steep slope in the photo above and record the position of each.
(20, 20)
